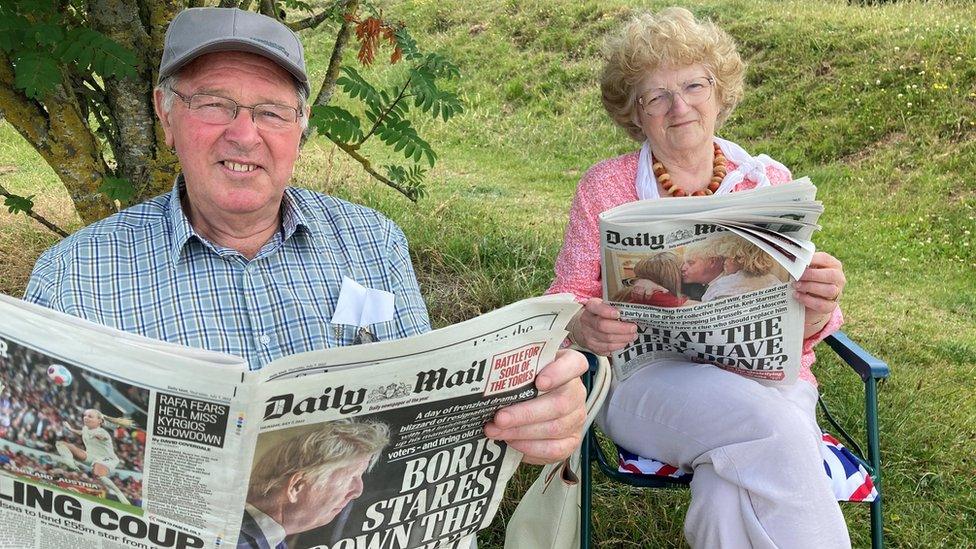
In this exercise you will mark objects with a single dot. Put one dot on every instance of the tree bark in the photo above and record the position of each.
(130, 99)
(335, 60)
(62, 137)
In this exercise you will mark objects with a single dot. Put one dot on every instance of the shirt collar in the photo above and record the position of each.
(292, 217)
(272, 531)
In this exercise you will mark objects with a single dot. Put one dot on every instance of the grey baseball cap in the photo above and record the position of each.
(196, 31)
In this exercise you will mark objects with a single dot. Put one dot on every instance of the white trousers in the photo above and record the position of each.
(754, 450)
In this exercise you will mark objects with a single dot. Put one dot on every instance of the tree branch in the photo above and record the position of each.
(335, 60)
(313, 21)
(36, 216)
(268, 8)
(27, 116)
(228, 3)
(351, 151)
(384, 114)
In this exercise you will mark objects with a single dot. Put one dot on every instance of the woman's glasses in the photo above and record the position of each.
(694, 92)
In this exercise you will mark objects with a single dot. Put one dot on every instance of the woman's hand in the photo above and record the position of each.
(819, 290)
(598, 328)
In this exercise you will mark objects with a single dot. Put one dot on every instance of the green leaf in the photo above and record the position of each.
(37, 73)
(13, 27)
(407, 44)
(92, 50)
(297, 5)
(357, 87)
(117, 188)
(336, 123)
(430, 99)
(15, 203)
(411, 179)
(439, 66)
(401, 136)
(47, 34)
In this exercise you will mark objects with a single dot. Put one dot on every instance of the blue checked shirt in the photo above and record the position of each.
(146, 271)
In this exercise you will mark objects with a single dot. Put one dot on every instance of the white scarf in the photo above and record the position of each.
(749, 167)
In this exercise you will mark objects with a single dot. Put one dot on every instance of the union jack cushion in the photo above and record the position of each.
(849, 479)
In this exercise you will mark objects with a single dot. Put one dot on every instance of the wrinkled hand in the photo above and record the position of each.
(597, 327)
(820, 287)
(549, 427)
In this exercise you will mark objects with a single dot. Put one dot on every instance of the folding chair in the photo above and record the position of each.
(870, 369)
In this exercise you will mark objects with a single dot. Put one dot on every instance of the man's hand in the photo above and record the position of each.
(549, 427)
(819, 290)
(598, 328)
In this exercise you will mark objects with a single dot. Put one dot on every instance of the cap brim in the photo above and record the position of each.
(230, 44)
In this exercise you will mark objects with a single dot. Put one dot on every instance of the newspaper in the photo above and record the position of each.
(710, 279)
(111, 440)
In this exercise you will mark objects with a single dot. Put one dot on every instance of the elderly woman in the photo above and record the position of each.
(670, 81)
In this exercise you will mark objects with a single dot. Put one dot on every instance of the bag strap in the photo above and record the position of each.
(599, 388)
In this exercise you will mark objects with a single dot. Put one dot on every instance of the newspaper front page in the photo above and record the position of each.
(111, 440)
(710, 279)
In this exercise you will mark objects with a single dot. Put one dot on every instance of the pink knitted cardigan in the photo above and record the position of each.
(611, 183)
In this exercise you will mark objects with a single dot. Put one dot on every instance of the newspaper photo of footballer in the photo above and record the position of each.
(69, 429)
(717, 267)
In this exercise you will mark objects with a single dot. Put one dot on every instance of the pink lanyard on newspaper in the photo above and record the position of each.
(748, 167)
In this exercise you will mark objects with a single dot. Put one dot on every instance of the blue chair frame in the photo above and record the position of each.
(871, 371)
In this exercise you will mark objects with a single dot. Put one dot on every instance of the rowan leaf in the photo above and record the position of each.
(117, 188)
(429, 98)
(357, 87)
(13, 27)
(92, 50)
(411, 179)
(406, 44)
(402, 136)
(336, 123)
(47, 34)
(17, 204)
(36, 73)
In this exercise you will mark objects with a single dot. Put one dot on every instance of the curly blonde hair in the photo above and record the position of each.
(752, 260)
(672, 37)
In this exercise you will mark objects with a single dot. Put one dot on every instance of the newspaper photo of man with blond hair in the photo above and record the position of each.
(306, 480)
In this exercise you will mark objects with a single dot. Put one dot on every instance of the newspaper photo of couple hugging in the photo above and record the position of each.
(710, 278)
(111, 440)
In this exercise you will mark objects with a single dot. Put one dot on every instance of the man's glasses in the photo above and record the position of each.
(214, 109)
(694, 92)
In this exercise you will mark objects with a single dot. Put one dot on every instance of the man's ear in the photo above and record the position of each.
(296, 484)
(163, 117)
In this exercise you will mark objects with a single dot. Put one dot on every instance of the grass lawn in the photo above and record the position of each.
(876, 104)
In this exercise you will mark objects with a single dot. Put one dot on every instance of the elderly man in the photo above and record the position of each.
(305, 481)
(235, 260)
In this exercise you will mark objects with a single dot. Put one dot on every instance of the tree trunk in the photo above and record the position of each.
(130, 99)
(62, 137)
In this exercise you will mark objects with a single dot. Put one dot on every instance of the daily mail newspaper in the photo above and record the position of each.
(109, 440)
(710, 279)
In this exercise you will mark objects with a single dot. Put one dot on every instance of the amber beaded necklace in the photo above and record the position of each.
(718, 174)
